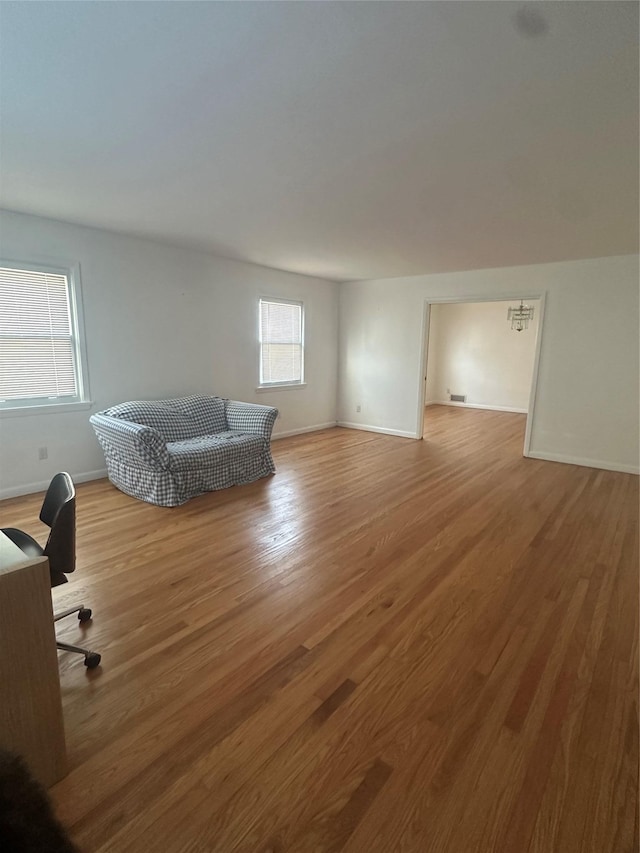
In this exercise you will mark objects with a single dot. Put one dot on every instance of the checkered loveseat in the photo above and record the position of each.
(168, 451)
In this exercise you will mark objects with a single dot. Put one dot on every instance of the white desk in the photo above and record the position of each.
(31, 721)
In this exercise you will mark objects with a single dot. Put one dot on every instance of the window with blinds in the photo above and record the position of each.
(281, 342)
(39, 354)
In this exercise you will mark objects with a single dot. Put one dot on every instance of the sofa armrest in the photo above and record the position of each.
(250, 417)
(141, 445)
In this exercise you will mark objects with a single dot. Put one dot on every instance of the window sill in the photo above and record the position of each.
(264, 389)
(51, 409)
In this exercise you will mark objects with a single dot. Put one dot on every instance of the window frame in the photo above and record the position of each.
(280, 385)
(82, 400)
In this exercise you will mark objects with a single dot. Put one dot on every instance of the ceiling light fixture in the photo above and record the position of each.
(520, 316)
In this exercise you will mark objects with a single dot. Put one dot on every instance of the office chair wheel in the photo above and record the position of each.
(92, 660)
(84, 614)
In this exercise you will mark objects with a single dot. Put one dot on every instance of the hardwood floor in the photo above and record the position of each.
(388, 646)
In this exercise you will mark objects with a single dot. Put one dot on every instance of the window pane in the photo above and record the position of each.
(281, 323)
(33, 303)
(281, 362)
(36, 368)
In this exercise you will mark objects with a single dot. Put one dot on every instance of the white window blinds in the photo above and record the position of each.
(281, 343)
(37, 345)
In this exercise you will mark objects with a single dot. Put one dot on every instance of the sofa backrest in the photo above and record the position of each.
(175, 420)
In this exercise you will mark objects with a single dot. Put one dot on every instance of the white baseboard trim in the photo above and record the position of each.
(302, 430)
(586, 463)
(367, 428)
(42, 486)
(477, 406)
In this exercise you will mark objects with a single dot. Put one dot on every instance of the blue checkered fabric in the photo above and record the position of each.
(165, 452)
(245, 417)
(184, 417)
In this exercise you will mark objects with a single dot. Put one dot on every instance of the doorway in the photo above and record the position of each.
(474, 359)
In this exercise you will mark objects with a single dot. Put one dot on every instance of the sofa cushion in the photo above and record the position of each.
(175, 420)
(209, 451)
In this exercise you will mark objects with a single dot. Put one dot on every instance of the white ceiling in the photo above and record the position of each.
(344, 140)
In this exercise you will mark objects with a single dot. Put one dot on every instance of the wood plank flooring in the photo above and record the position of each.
(390, 645)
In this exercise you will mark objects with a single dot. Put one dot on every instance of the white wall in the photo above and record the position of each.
(587, 405)
(474, 351)
(160, 321)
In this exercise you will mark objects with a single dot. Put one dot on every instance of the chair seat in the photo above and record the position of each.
(31, 548)
(25, 542)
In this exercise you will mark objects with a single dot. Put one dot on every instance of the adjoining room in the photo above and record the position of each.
(481, 356)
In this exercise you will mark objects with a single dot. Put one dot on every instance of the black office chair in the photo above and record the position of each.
(59, 513)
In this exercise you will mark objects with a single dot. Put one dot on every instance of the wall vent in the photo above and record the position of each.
(458, 398)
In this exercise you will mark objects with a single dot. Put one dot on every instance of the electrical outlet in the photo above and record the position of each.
(42, 453)
(358, 408)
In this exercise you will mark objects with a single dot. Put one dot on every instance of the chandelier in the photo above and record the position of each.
(520, 316)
